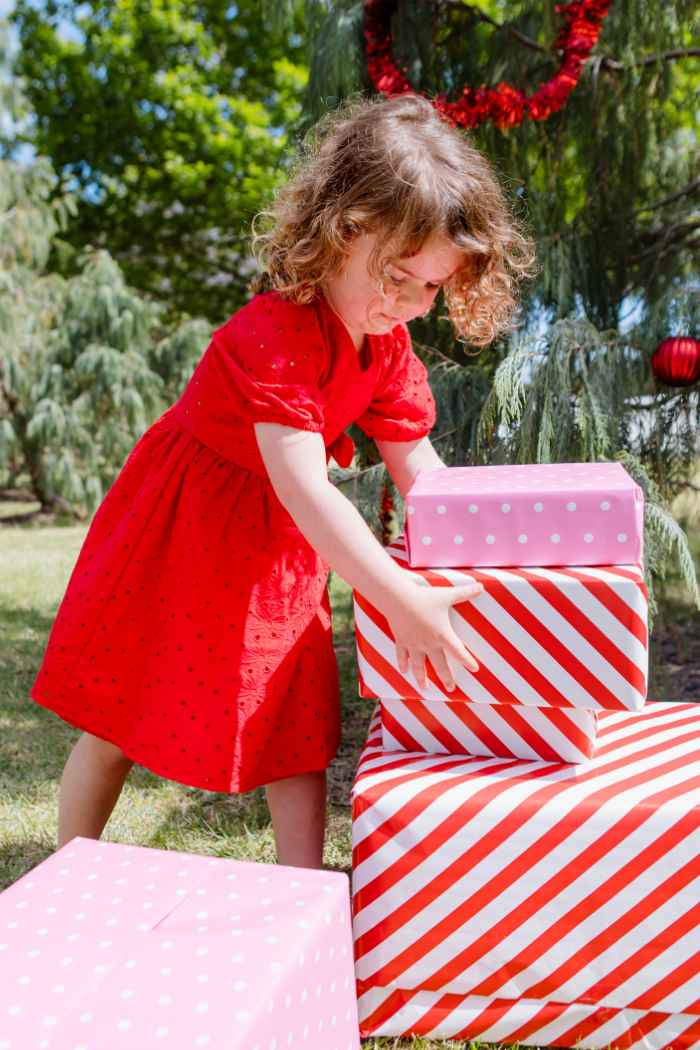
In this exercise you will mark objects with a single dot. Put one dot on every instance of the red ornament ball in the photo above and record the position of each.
(676, 361)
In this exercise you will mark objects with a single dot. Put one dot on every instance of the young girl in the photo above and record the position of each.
(195, 634)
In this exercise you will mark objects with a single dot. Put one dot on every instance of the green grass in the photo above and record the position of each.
(34, 743)
(35, 564)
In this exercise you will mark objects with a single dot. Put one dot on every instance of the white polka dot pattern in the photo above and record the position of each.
(596, 511)
(172, 981)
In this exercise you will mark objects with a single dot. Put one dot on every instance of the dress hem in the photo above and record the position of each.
(166, 774)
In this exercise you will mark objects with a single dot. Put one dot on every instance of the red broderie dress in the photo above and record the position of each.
(195, 632)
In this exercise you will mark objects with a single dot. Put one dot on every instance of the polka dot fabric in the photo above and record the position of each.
(108, 947)
(552, 514)
(195, 632)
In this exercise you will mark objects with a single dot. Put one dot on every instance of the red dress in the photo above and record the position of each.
(195, 632)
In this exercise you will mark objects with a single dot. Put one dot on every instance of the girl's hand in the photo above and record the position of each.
(422, 629)
(296, 463)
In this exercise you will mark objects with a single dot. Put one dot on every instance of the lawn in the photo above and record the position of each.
(34, 743)
(35, 564)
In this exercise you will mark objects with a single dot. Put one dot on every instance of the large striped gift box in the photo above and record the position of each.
(546, 904)
(554, 734)
(562, 637)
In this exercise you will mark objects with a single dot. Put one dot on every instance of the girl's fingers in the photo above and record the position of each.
(442, 669)
(457, 595)
(417, 659)
(454, 646)
(461, 653)
(402, 658)
(408, 655)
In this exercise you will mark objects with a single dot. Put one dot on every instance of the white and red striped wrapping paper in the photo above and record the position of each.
(548, 637)
(541, 903)
(554, 734)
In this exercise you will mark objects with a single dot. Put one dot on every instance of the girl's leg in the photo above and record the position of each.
(298, 810)
(90, 786)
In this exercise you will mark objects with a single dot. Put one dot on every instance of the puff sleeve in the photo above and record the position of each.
(271, 360)
(402, 406)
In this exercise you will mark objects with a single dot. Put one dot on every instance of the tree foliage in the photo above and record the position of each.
(574, 394)
(85, 364)
(609, 188)
(167, 120)
(609, 184)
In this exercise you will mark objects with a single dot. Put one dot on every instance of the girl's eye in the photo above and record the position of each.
(397, 280)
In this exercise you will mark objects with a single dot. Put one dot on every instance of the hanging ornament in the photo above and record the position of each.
(505, 105)
(676, 361)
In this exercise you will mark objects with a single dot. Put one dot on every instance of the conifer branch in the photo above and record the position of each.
(669, 200)
(674, 238)
(651, 60)
(608, 63)
(432, 350)
(507, 27)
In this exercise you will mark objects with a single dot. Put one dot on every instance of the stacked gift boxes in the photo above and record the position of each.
(548, 902)
(555, 645)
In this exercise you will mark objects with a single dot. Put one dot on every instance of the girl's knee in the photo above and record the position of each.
(104, 753)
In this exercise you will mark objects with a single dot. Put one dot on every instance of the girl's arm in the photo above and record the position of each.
(296, 464)
(404, 459)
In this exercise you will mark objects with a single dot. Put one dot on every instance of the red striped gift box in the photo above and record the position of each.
(546, 904)
(566, 637)
(554, 734)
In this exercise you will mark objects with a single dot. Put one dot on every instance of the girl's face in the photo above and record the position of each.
(353, 296)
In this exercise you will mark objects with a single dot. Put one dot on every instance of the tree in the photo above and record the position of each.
(609, 188)
(610, 181)
(167, 122)
(85, 363)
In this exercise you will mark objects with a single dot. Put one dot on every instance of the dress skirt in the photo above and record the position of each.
(195, 633)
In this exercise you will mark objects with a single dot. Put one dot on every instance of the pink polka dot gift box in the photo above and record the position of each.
(111, 947)
(547, 514)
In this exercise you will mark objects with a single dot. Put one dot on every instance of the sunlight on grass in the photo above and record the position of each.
(35, 564)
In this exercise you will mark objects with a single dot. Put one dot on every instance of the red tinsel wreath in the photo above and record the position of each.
(506, 105)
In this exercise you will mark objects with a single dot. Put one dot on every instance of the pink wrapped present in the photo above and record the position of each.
(545, 904)
(556, 514)
(554, 734)
(542, 638)
(109, 947)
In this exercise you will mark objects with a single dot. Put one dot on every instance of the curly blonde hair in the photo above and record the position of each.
(394, 168)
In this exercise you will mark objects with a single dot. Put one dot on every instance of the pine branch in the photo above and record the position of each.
(668, 200)
(608, 63)
(432, 350)
(676, 235)
(651, 60)
(507, 27)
